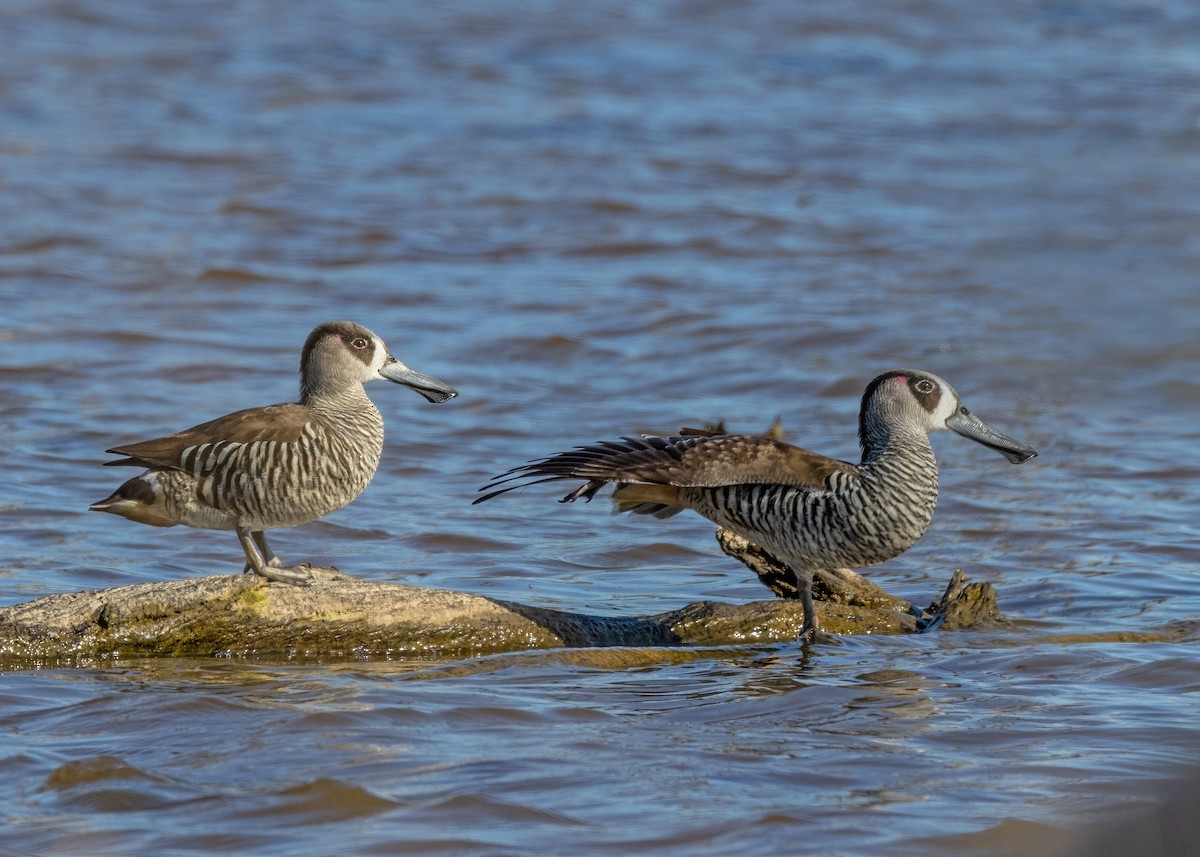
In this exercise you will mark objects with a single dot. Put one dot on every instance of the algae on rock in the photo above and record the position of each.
(343, 617)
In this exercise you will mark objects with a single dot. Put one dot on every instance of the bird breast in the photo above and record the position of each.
(862, 518)
(267, 483)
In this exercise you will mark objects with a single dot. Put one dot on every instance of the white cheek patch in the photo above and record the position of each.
(948, 405)
(381, 355)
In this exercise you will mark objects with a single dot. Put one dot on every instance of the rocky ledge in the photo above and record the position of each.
(343, 617)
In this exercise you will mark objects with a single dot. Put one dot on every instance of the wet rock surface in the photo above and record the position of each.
(343, 617)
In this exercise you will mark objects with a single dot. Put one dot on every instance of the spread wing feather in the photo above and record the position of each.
(687, 461)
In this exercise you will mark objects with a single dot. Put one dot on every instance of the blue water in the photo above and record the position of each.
(596, 220)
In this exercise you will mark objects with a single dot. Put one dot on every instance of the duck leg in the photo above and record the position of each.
(268, 555)
(811, 629)
(260, 539)
(272, 570)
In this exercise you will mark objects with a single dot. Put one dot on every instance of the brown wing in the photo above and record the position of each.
(774, 432)
(706, 462)
(695, 461)
(281, 423)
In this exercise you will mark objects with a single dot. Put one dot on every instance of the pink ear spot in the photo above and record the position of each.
(900, 379)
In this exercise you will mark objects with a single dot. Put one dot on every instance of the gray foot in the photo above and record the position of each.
(817, 635)
(272, 563)
(298, 576)
(255, 546)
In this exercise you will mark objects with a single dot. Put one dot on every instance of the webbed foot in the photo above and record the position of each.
(273, 562)
(297, 576)
(820, 636)
(263, 562)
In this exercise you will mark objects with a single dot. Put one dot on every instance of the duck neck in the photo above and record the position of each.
(351, 400)
(352, 424)
(317, 395)
(901, 463)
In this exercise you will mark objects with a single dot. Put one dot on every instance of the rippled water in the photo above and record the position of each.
(597, 219)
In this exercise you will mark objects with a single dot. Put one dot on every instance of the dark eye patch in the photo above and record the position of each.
(926, 392)
(360, 346)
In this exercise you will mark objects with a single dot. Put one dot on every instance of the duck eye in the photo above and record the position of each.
(359, 343)
(924, 386)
